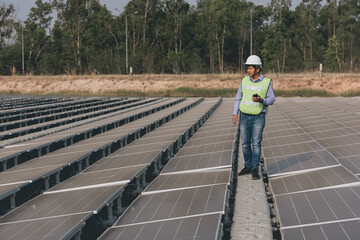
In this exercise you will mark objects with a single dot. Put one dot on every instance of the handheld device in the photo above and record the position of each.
(255, 95)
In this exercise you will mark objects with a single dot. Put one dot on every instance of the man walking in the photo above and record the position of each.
(253, 97)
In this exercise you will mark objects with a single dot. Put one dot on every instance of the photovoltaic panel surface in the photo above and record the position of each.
(96, 179)
(189, 187)
(298, 162)
(175, 204)
(351, 163)
(319, 206)
(58, 204)
(316, 192)
(291, 149)
(39, 228)
(186, 180)
(206, 227)
(328, 231)
(199, 161)
(323, 178)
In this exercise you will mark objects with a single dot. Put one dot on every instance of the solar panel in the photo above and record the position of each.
(339, 140)
(291, 149)
(93, 179)
(281, 127)
(313, 183)
(351, 163)
(332, 133)
(215, 132)
(199, 161)
(39, 228)
(319, 206)
(328, 177)
(208, 148)
(187, 180)
(107, 182)
(186, 188)
(205, 227)
(210, 139)
(345, 151)
(175, 204)
(126, 160)
(327, 231)
(285, 140)
(64, 203)
(77, 151)
(281, 133)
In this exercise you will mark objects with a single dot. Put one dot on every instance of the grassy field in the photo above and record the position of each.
(195, 85)
(193, 92)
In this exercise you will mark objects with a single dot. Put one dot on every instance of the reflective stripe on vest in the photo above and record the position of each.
(249, 88)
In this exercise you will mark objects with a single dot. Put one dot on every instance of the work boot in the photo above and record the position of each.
(244, 171)
(255, 174)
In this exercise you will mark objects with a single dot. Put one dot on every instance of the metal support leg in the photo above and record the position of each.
(47, 183)
(138, 187)
(57, 177)
(119, 207)
(4, 165)
(109, 150)
(159, 164)
(12, 201)
(167, 154)
(143, 180)
(78, 235)
(47, 149)
(87, 161)
(110, 212)
(16, 161)
(80, 166)
(156, 167)
(39, 152)
(104, 152)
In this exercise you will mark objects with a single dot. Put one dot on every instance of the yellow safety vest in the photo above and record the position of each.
(249, 88)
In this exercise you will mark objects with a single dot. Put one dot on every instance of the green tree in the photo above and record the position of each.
(6, 28)
(306, 14)
(6, 22)
(278, 37)
(36, 28)
(332, 59)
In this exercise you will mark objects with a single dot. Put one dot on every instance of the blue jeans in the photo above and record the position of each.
(251, 130)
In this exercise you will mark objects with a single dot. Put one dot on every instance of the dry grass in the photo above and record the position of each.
(207, 85)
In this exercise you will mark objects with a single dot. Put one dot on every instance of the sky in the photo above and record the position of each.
(22, 7)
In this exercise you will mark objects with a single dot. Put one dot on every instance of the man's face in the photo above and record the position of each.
(250, 70)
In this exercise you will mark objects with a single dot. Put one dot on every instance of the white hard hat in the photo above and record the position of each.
(253, 60)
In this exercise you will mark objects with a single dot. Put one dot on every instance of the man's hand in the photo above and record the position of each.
(257, 99)
(235, 118)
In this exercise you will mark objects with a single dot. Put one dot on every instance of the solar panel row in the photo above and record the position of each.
(189, 199)
(34, 104)
(57, 108)
(63, 119)
(52, 139)
(83, 120)
(24, 174)
(312, 157)
(69, 204)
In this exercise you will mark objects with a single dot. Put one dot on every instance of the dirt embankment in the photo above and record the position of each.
(97, 84)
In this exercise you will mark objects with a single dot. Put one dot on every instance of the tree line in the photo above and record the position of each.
(170, 36)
